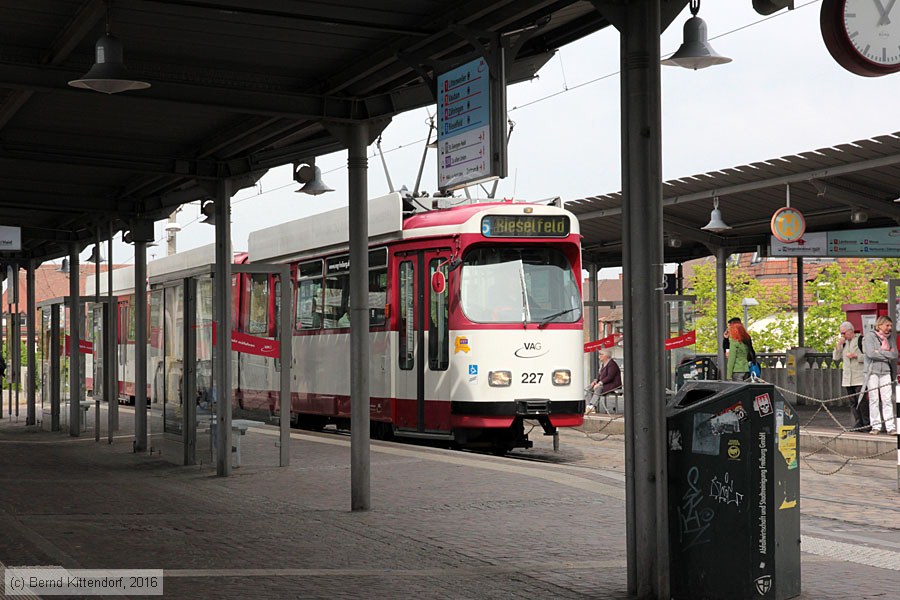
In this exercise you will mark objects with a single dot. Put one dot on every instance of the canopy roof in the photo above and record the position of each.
(825, 185)
(237, 87)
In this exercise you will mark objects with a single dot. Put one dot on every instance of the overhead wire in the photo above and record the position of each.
(566, 89)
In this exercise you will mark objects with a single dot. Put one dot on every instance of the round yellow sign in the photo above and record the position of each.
(788, 225)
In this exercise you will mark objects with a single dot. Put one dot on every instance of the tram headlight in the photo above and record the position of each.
(562, 377)
(499, 378)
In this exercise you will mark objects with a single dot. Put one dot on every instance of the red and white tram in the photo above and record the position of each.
(475, 320)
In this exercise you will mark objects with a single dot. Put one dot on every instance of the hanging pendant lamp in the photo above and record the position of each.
(108, 75)
(695, 52)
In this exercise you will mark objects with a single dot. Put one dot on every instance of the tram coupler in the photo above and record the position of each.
(550, 429)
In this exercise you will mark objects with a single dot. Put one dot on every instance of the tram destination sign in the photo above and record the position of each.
(525, 226)
(877, 242)
(471, 120)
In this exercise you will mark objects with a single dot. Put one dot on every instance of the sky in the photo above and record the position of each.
(782, 94)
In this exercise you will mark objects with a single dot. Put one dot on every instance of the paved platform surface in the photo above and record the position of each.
(444, 524)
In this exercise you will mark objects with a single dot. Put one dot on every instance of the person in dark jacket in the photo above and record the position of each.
(609, 378)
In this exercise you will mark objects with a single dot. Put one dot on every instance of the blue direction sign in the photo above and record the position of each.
(878, 242)
(464, 125)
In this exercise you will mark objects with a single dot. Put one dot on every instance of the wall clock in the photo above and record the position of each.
(863, 36)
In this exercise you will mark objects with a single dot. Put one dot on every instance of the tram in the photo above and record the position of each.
(475, 320)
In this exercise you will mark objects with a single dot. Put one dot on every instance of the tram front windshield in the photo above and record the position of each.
(519, 285)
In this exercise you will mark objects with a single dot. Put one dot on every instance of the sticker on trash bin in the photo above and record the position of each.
(787, 444)
(738, 409)
(703, 440)
(726, 422)
(734, 449)
(763, 405)
(674, 440)
(763, 584)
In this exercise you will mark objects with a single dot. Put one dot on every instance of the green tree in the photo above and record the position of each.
(848, 282)
(774, 306)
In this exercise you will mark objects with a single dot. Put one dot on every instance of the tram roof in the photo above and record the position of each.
(825, 185)
(237, 87)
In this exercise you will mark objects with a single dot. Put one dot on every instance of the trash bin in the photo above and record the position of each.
(734, 492)
(693, 368)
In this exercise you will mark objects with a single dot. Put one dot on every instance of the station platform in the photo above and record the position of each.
(443, 523)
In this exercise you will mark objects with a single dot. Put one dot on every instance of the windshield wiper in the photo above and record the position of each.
(554, 316)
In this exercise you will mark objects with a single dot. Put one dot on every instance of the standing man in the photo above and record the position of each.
(848, 350)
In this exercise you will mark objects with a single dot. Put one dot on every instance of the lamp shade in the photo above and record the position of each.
(108, 75)
(716, 224)
(312, 176)
(96, 255)
(64, 267)
(695, 52)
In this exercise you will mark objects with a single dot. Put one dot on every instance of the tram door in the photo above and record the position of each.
(423, 385)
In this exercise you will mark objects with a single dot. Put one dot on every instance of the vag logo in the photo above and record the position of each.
(530, 350)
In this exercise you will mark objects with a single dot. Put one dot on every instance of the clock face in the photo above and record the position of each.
(873, 27)
(863, 36)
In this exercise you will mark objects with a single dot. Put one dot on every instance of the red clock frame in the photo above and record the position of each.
(831, 20)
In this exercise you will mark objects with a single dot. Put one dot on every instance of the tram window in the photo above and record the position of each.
(407, 329)
(439, 316)
(310, 313)
(258, 321)
(131, 310)
(377, 296)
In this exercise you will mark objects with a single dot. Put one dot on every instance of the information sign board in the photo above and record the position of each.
(878, 242)
(464, 126)
(10, 238)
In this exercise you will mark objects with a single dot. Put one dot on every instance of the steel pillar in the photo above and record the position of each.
(645, 450)
(801, 329)
(55, 375)
(140, 345)
(721, 308)
(592, 315)
(75, 321)
(357, 165)
(31, 308)
(111, 354)
(222, 318)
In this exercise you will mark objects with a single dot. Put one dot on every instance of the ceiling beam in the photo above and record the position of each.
(287, 104)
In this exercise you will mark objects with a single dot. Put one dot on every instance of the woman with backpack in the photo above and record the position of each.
(849, 351)
(739, 353)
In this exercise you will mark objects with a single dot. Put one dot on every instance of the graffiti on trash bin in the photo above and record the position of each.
(693, 520)
(723, 491)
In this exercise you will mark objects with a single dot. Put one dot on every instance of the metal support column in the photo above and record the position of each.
(76, 383)
(286, 356)
(55, 375)
(592, 315)
(189, 375)
(140, 345)
(31, 308)
(647, 532)
(721, 308)
(111, 354)
(801, 330)
(357, 165)
(222, 318)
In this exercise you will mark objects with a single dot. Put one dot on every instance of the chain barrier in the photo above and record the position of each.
(825, 442)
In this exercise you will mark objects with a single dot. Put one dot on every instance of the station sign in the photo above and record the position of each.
(10, 238)
(471, 115)
(880, 242)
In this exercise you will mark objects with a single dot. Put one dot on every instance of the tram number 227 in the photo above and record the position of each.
(532, 377)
